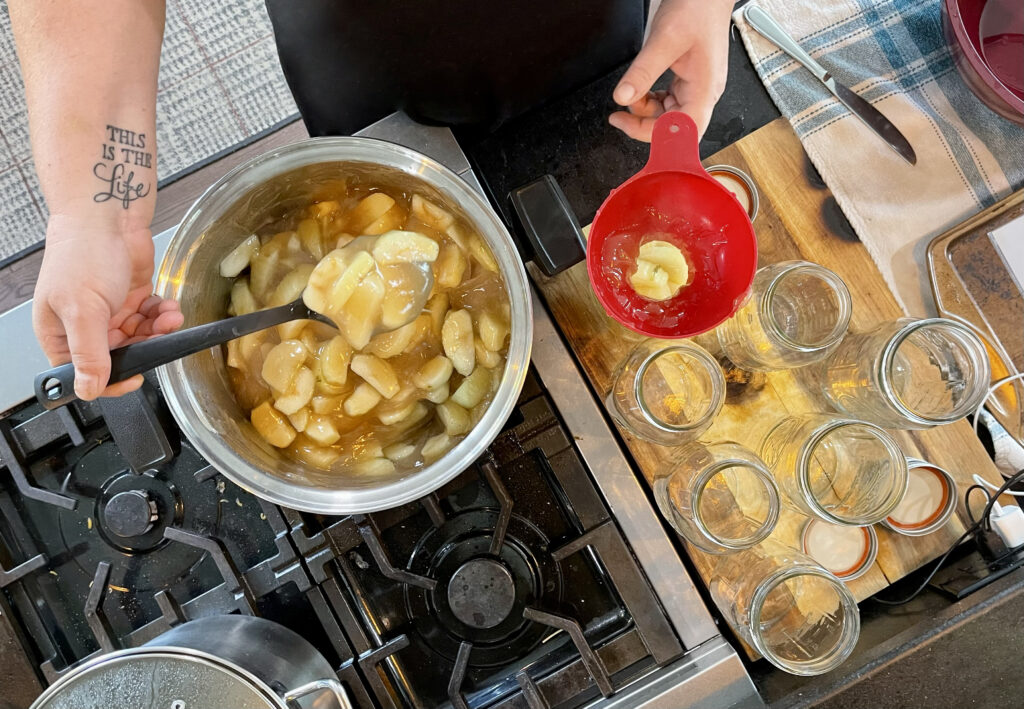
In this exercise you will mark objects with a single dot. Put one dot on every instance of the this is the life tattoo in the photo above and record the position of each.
(123, 150)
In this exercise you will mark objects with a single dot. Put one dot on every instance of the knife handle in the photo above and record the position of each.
(767, 26)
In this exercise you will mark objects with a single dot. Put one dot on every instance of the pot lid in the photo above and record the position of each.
(164, 678)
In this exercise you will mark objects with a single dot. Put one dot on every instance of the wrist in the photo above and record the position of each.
(66, 225)
(105, 177)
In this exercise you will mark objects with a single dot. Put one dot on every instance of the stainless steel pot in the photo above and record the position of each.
(196, 388)
(233, 661)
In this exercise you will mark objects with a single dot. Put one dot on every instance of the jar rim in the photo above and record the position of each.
(838, 653)
(717, 387)
(772, 326)
(887, 360)
(774, 504)
(894, 495)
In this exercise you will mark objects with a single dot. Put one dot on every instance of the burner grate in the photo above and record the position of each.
(483, 593)
(137, 552)
(510, 586)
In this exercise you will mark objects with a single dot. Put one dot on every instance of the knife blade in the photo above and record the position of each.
(766, 25)
(872, 118)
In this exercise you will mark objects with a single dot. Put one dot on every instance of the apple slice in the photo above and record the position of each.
(661, 270)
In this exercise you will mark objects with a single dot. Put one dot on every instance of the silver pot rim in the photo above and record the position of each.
(188, 413)
(82, 672)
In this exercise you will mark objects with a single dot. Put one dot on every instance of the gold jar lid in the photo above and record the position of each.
(848, 552)
(740, 184)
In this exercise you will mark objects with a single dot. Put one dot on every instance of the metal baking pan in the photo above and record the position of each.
(971, 283)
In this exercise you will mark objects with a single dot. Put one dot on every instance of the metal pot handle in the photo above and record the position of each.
(320, 685)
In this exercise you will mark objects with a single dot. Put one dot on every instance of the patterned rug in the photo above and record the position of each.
(220, 85)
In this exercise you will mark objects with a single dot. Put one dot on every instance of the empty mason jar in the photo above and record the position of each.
(796, 314)
(840, 470)
(799, 616)
(720, 497)
(667, 395)
(909, 373)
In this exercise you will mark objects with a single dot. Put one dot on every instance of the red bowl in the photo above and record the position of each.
(961, 21)
(673, 199)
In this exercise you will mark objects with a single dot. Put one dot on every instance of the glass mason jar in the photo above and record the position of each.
(909, 373)
(796, 314)
(799, 616)
(720, 497)
(667, 395)
(840, 470)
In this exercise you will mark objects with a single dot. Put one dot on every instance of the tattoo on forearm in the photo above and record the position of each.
(123, 150)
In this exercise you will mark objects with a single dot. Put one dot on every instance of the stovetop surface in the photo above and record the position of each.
(510, 586)
(514, 585)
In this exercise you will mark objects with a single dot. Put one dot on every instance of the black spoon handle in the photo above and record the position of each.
(56, 387)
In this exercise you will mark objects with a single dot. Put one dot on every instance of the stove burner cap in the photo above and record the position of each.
(481, 593)
(130, 514)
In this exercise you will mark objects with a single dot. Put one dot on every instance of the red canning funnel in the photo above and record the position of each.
(673, 199)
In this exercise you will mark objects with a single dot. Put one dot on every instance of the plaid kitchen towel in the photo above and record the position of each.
(893, 54)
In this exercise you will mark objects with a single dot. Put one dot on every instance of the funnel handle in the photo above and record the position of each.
(674, 145)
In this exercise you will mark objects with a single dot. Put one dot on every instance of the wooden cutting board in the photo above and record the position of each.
(798, 219)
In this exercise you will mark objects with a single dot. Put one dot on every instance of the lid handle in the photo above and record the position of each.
(674, 145)
(321, 685)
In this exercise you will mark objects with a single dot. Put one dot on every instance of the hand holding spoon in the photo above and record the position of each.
(55, 387)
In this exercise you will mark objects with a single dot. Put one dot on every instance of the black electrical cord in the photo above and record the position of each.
(967, 500)
(968, 532)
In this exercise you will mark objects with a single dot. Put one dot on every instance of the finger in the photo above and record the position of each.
(121, 388)
(636, 127)
(131, 323)
(161, 324)
(85, 318)
(649, 105)
(154, 305)
(150, 307)
(658, 53)
(168, 322)
(117, 338)
(132, 305)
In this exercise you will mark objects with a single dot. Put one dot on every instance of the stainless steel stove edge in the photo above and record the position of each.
(711, 676)
(20, 356)
(710, 673)
(618, 482)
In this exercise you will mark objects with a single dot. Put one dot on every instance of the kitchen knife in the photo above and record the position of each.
(766, 25)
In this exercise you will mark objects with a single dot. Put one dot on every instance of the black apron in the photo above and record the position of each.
(454, 62)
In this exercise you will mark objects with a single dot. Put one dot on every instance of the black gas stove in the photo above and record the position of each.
(510, 586)
(540, 577)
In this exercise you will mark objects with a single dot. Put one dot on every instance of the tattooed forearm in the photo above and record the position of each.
(123, 151)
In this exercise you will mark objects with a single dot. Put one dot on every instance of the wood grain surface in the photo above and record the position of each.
(796, 221)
